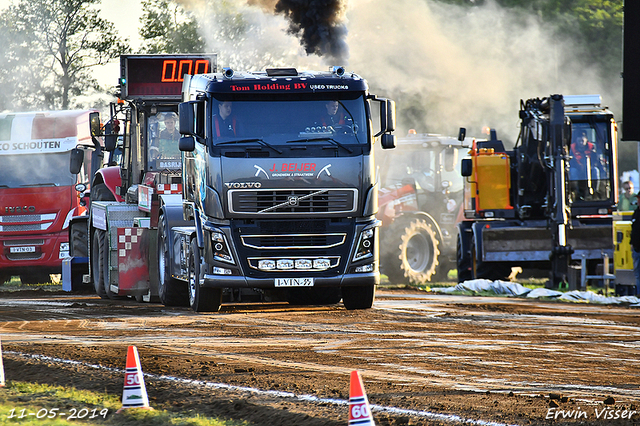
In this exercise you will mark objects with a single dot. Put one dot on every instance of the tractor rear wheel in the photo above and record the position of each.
(410, 252)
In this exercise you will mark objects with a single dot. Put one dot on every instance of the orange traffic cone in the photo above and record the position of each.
(1, 368)
(359, 410)
(135, 393)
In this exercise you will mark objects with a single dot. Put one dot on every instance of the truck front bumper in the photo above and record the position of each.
(233, 281)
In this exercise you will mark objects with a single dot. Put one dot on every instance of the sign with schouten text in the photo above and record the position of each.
(43, 132)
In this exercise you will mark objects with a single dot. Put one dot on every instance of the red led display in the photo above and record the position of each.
(160, 76)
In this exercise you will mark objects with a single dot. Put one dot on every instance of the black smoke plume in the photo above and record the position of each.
(319, 24)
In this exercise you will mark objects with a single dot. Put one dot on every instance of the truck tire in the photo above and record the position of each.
(201, 299)
(358, 297)
(101, 192)
(314, 296)
(97, 256)
(79, 244)
(411, 252)
(172, 292)
(463, 264)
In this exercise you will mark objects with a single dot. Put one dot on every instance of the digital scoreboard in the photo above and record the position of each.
(160, 76)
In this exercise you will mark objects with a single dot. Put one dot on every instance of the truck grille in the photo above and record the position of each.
(293, 241)
(24, 223)
(287, 201)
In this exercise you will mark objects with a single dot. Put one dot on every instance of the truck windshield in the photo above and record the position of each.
(32, 170)
(279, 122)
(590, 166)
(163, 139)
(428, 167)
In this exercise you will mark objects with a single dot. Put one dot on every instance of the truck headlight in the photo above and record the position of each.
(220, 248)
(366, 244)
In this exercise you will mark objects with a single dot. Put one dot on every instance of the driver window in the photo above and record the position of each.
(163, 136)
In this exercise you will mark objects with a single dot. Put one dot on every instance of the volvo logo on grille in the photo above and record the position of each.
(292, 200)
(18, 209)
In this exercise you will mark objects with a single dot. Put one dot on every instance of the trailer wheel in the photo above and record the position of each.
(358, 297)
(201, 299)
(172, 292)
(97, 255)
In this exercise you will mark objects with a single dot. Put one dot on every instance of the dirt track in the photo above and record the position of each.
(421, 356)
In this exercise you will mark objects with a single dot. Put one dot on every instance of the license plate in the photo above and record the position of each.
(30, 249)
(294, 282)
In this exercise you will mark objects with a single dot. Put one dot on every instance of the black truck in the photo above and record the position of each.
(279, 183)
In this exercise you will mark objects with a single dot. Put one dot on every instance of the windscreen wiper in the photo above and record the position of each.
(333, 141)
(260, 141)
(40, 184)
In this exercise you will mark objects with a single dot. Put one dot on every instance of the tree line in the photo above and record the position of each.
(51, 46)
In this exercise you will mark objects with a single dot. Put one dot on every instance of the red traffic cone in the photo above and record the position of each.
(135, 393)
(359, 410)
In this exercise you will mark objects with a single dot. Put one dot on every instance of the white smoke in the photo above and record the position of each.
(447, 66)
(470, 66)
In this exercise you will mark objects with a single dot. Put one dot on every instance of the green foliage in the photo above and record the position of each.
(595, 24)
(50, 47)
(167, 27)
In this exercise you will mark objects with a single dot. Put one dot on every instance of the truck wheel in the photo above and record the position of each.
(172, 292)
(97, 269)
(463, 264)
(314, 296)
(201, 299)
(358, 297)
(101, 192)
(79, 244)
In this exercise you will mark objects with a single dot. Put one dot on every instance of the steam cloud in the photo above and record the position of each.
(319, 24)
(447, 66)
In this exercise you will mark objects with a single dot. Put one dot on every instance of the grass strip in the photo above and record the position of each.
(34, 404)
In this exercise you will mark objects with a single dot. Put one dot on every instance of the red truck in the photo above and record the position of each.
(38, 194)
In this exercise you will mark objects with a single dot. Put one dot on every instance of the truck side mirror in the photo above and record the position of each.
(462, 134)
(189, 118)
(466, 167)
(187, 143)
(387, 115)
(94, 123)
(75, 163)
(388, 141)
